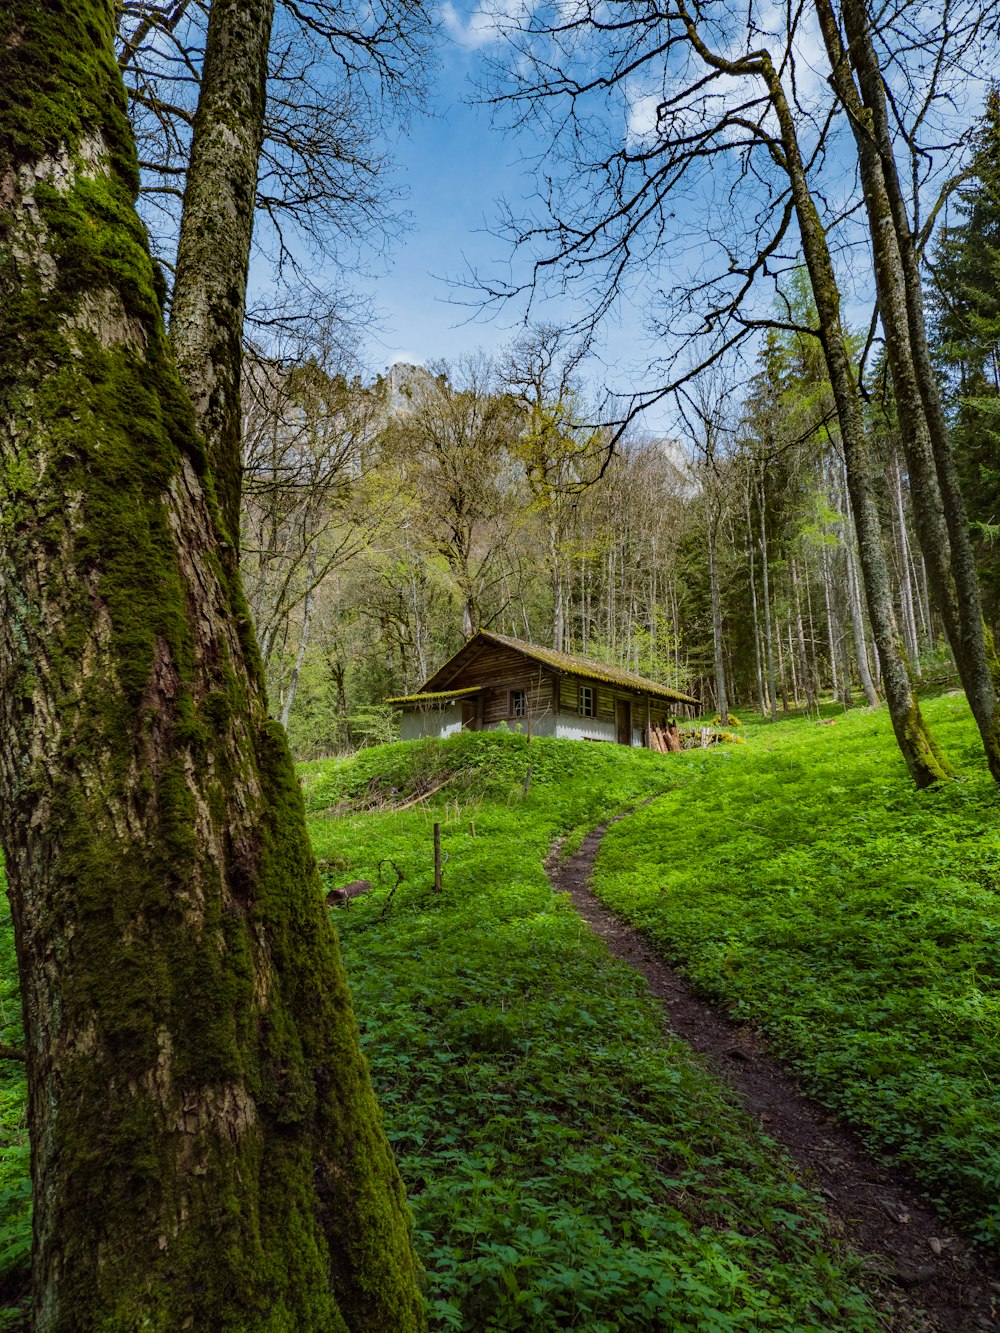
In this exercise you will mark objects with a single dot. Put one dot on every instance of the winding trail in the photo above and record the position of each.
(928, 1279)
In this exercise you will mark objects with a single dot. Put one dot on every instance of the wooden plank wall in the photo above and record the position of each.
(660, 710)
(503, 669)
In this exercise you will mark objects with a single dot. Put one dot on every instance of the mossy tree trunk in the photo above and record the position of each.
(923, 757)
(918, 747)
(942, 523)
(213, 253)
(206, 1149)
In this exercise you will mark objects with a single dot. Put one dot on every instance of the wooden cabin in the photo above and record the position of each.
(496, 681)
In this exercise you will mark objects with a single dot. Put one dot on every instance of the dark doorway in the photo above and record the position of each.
(623, 721)
(470, 715)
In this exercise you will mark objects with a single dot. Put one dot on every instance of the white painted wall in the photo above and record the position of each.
(576, 728)
(570, 726)
(413, 726)
(538, 726)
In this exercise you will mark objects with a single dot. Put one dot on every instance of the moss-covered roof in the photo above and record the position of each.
(569, 664)
(435, 696)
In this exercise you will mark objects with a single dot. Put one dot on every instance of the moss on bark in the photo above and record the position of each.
(207, 1152)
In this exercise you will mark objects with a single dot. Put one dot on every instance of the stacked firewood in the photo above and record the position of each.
(665, 740)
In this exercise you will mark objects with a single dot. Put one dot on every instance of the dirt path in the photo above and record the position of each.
(928, 1279)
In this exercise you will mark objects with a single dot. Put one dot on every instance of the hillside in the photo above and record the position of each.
(566, 1164)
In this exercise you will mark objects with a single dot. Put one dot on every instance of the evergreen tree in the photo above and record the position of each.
(967, 300)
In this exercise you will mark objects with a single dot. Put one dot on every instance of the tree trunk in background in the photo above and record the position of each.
(213, 253)
(206, 1148)
(768, 635)
(856, 611)
(758, 665)
(558, 622)
(791, 666)
(923, 602)
(905, 581)
(840, 689)
(781, 675)
(721, 694)
(300, 656)
(808, 682)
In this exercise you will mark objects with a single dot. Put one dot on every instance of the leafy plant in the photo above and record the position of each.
(802, 883)
(566, 1166)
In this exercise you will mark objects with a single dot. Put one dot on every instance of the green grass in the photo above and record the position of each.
(566, 1166)
(804, 884)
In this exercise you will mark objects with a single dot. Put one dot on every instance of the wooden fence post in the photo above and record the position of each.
(437, 858)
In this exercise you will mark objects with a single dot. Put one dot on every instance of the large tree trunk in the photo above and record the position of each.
(939, 510)
(206, 1149)
(919, 749)
(209, 295)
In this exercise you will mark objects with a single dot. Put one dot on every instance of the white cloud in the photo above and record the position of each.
(641, 119)
(486, 24)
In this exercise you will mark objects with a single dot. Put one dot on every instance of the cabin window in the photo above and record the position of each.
(518, 703)
(588, 703)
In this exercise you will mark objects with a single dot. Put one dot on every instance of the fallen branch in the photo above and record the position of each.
(387, 860)
(417, 799)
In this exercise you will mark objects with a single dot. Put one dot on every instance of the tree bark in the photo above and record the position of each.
(919, 749)
(206, 1148)
(768, 635)
(939, 510)
(721, 691)
(808, 680)
(213, 253)
(755, 616)
(905, 580)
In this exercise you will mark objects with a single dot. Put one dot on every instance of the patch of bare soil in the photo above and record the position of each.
(926, 1279)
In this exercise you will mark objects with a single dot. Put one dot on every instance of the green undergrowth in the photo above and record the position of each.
(804, 883)
(566, 1166)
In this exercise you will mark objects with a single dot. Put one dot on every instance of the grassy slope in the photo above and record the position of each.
(565, 1166)
(804, 883)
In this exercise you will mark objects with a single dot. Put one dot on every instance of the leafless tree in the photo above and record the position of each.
(310, 439)
(734, 144)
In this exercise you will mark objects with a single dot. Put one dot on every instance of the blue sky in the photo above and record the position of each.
(454, 166)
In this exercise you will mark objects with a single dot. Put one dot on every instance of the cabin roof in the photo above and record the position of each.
(567, 663)
(435, 696)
